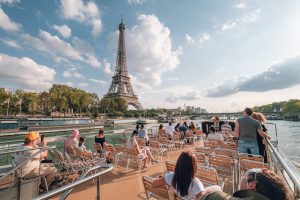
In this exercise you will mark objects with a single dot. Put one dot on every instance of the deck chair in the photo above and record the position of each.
(190, 137)
(199, 134)
(157, 149)
(170, 145)
(133, 155)
(178, 143)
(170, 165)
(225, 168)
(201, 160)
(115, 155)
(213, 144)
(205, 150)
(244, 156)
(157, 193)
(209, 176)
(230, 145)
(226, 152)
(141, 142)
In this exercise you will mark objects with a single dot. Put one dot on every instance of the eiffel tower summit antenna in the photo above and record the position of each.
(120, 86)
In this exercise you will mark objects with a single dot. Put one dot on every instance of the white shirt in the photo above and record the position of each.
(170, 130)
(31, 164)
(195, 187)
(215, 136)
(226, 128)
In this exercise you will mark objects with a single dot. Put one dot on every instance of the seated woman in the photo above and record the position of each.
(261, 184)
(183, 180)
(100, 138)
(83, 150)
(72, 143)
(162, 131)
(144, 152)
(214, 135)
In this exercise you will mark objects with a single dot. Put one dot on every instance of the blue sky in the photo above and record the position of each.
(219, 55)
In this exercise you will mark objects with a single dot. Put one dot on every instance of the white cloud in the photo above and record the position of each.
(204, 37)
(278, 76)
(9, 2)
(98, 81)
(72, 72)
(189, 94)
(107, 68)
(240, 6)
(24, 73)
(136, 1)
(150, 53)
(83, 12)
(246, 19)
(173, 79)
(189, 39)
(63, 30)
(67, 74)
(11, 43)
(6, 23)
(60, 49)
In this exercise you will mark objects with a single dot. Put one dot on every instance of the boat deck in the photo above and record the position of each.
(124, 184)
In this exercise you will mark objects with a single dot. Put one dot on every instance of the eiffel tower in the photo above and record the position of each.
(120, 86)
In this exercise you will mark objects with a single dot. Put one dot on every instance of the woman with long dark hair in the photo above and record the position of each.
(183, 180)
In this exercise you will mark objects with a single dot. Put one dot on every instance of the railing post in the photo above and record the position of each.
(98, 188)
(19, 189)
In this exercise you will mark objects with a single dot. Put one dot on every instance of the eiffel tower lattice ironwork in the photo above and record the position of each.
(120, 86)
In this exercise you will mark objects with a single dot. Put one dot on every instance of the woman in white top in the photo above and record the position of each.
(183, 180)
(144, 152)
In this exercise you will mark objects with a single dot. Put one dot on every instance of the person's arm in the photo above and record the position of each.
(44, 153)
(263, 134)
(199, 195)
(237, 129)
(159, 182)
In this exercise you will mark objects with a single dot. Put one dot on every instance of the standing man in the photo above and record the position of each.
(245, 131)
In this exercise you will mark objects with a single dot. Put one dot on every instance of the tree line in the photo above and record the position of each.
(291, 106)
(65, 99)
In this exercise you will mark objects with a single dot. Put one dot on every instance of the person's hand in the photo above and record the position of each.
(44, 143)
(269, 137)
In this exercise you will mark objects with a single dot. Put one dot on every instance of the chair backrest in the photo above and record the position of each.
(229, 145)
(164, 140)
(97, 147)
(207, 175)
(221, 161)
(213, 144)
(249, 164)
(201, 158)
(108, 147)
(199, 132)
(175, 137)
(244, 156)
(120, 148)
(226, 152)
(205, 150)
(170, 165)
(141, 142)
(159, 193)
(132, 151)
(154, 144)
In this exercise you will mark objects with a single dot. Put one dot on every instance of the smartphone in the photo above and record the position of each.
(42, 138)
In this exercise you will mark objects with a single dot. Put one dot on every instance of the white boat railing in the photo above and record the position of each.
(285, 168)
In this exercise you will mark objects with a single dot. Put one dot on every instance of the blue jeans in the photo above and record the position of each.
(248, 146)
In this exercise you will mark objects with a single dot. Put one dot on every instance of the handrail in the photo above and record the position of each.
(21, 164)
(75, 184)
(287, 169)
(17, 151)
